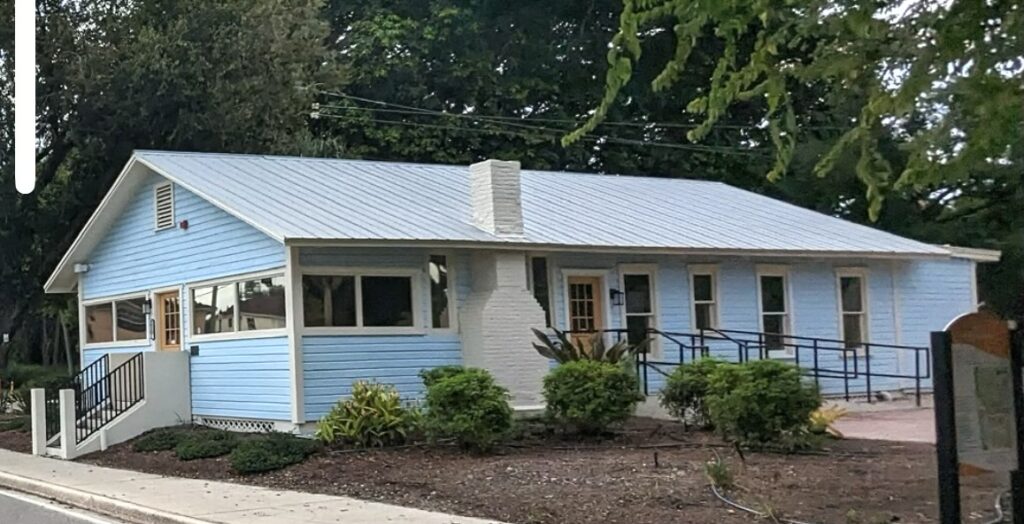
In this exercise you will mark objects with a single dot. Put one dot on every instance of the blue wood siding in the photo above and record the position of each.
(133, 257)
(246, 378)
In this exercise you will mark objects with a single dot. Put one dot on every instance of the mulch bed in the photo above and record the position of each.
(20, 441)
(651, 472)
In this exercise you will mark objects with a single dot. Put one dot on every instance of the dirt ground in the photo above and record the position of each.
(652, 472)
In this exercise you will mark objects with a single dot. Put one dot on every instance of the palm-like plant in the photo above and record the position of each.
(564, 349)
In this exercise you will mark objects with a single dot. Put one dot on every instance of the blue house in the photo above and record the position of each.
(279, 281)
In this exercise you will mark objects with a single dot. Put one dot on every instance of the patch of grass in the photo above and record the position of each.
(719, 474)
(271, 452)
(205, 444)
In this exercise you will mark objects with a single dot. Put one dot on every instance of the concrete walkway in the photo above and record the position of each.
(144, 498)
(900, 420)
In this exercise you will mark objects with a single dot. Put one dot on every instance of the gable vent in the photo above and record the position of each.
(164, 195)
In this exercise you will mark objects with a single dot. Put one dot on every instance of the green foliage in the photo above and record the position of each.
(270, 452)
(593, 348)
(372, 417)
(762, 404)
(431, 376)
(162, 439)
(20, 423)
(469, 407)
(685, 391)
(202, 444)
(589, 395)
(719, 474)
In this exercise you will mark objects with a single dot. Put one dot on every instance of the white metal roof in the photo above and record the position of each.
(313, 200)
(295, 198)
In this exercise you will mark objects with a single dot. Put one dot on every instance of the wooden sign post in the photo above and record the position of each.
(979, 406)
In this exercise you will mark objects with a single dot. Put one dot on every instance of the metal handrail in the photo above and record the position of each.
(116, 393)
(80, 381)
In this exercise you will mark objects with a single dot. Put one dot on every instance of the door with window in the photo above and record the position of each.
(168, 321)
(639, 310)
(586, 307)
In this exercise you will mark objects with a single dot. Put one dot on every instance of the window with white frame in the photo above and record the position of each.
(252, 304)
(853, 322)
(115, 320)
(440, 282)
(704, 296)
(774, 308)
(163, 197)
(639, 302)
(358, 300)
(538, 283)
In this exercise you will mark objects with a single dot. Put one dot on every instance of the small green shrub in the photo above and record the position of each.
(762, 404)
(205, 444)
(470, 407)
(163, 439)
(590, 395)
(372, 417)
(270, 452)
(22, 424)
(432, 376)
(686, 389)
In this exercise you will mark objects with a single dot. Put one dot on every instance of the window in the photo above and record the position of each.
(853, 321)
(639, 306)
(705, 304)
(538, 283)
(163, 197)
(440, 315)
(248, 305)
(774, 310)
(358, 301)
(115, 321)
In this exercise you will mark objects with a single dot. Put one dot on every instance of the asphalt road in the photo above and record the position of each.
(16, 508)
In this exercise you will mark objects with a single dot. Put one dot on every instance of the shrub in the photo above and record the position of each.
(566, 350)
(205, 444)
(686, 389)
(21, 423)
(270, 452)
(163, 439)
(762, 404)
(432, 376)
(590, 395)
(372, 417)
(469, 407)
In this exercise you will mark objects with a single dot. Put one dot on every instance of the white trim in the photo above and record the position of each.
(606, 305)
(419, 325)
(112, 300)
(156, 206)
(293, 316)
(83, 329)
(773, 270)
(239, 277)
(692, 270)
(239, 335)
(145, 343)
(974, 286)
(452, 292)
(974, 253)
(863, 274)
(381, 331)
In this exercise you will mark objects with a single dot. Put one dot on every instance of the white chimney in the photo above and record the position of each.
(496, 197)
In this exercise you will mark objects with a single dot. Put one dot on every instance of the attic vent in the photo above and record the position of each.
(164, 196)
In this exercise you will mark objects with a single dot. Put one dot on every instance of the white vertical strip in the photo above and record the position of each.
(293, 318)
(25, 95)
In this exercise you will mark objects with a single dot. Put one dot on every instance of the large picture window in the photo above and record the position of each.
(115, 321)
(373, 301)
(247, 305)
(774, 305)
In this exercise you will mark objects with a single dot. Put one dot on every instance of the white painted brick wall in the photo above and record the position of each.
(496, 197)
(496, 321)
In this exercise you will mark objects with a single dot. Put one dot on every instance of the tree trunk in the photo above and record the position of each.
(67, 346)
(44, 349)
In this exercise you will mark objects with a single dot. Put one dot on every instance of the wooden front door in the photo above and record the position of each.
(586, 307)
(168, 321)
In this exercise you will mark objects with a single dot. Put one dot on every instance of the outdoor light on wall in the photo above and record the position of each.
(616, 296)
(147, 307)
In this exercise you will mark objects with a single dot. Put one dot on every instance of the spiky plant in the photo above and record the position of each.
(563, 349)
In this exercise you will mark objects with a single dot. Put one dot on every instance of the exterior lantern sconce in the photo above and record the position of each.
(616, 296)
(147, 307)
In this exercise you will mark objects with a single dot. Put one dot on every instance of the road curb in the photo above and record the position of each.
(92, 502)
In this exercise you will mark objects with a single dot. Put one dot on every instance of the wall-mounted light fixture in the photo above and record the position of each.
(616, 296)
(147, 306)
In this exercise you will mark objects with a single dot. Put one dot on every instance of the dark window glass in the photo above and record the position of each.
(705, 314)
(261, 304)
(213, 309)
(328, 301)
(313, 297)
(636, 328)
(638, 293)
(702, 288)
(343, 301)
(852, 332)
(387, 301)
(773, 294)
(439, 313)
(539, 281)
(99, 323)
(131, 322)
(851, 294)
(774, 325)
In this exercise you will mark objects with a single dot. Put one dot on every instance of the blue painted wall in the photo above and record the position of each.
(133, 257)
(246, 378)
(332, 363)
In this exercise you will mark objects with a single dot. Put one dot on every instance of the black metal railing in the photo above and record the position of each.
(818, 358)
(110, 396)
(78, 382)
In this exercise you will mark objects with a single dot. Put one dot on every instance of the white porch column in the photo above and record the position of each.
(496, 321)
(68, 445)
(37, 405)
(293, 316)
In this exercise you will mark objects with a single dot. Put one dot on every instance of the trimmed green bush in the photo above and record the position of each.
(163, 439)
(470, 407)
(270, 452)
(432, 376)
(762, 404)
(21, 423)
(205, 444)
(372, 417)
(686, 389)
(590, 396)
